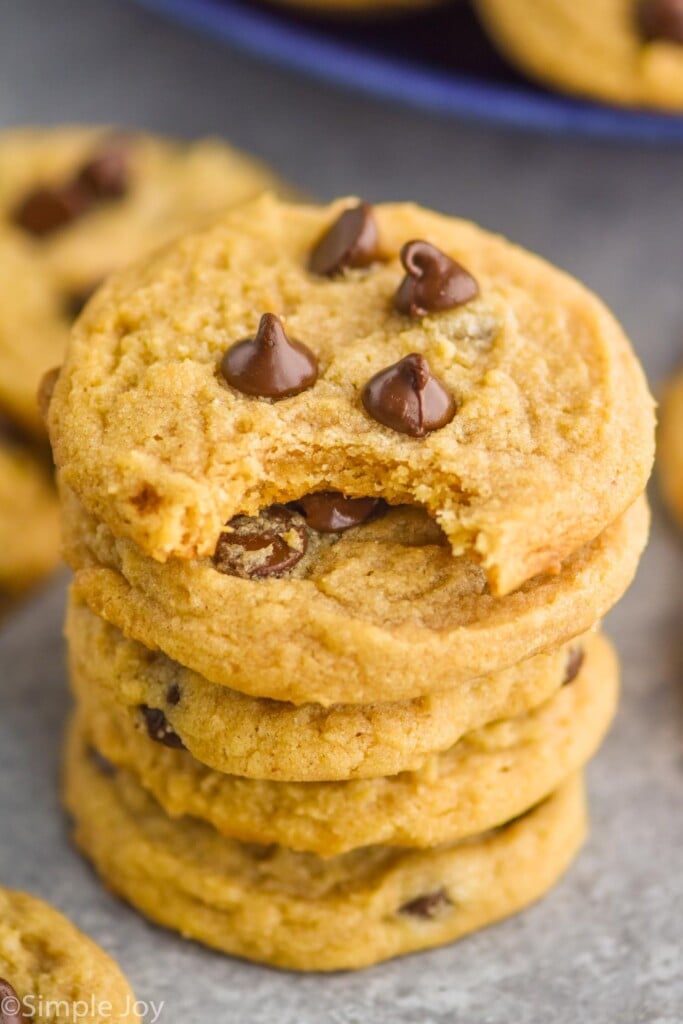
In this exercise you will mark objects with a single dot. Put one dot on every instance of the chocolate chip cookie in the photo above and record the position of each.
(29, 518)
(295, 910)
(490, 775)
(267, 739)
(384, 612)
(621, 51)
(77, 203)
(50, 973)
(292, 350)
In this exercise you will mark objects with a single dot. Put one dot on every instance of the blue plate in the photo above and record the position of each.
(451, 68)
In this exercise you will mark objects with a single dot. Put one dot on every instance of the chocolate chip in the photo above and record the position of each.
(433, 904)
(158, 728)
(46, 210)
(102, 763)
(173, 694)
(661, 19)
(350, 242)
(271, 365)
(11, 1009)
(433, 282)
(106, 176)
(269, 544)
(575, 662)
(331, 512)
(408, 398)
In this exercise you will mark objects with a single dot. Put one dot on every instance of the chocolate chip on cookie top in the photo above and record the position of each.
(433, 282)
(661, 19)
(408, 398)
(106, 175)
(255, 547)
(11, 1009)
(270, 365)
(159, 729)
(352, 241)
(45, 210)
(431, 905)
(332, 512)
(48, 208)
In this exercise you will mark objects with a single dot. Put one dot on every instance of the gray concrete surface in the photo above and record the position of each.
(605, 947)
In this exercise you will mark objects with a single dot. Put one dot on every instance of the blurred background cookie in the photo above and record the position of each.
(628, 52)
(77, 202)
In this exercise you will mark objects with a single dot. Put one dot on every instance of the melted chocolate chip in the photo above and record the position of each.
(11, 1009)
(661, 19)
(159, 729)
(575, 662)
(350, 242)
(331, 512)
(429, 906)
(173, 694)
(105, 176)
(102, 763)
(408, 398)
(46, 210)
(271, 365)
(433, 282)
(269, 544)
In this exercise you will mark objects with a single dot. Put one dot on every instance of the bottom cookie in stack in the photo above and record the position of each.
(296, 910)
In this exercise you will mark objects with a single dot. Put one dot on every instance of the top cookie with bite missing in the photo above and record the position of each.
(385, 352)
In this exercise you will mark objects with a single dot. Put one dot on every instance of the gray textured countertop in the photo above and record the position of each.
(605, 947)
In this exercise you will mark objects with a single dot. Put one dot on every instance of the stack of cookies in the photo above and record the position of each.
(76, 203)
(346, 491)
